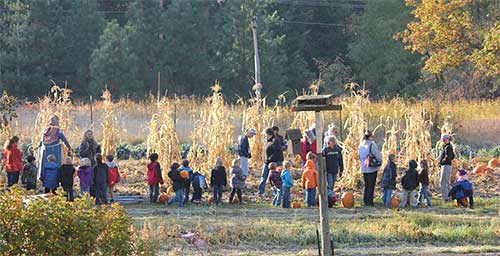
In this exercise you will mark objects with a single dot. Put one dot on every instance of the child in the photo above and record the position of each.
(113, 176)
(154, 178)
(334, 163)
(423, 178)
(276, 183)
(218, 180)
(86, 175)
(67, 174)
(13, 161)
(237, 181)
(287, 181)
(310, 179)
(29, 173)
(100, 181)
(185, 167)
(178, 183)
(199, 183)
(49, 175)
(389, 180)
(462, 188)
(409, 183)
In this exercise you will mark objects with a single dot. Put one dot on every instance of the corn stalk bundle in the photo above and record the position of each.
(213, 134)
(8, 114)
(162, 136)
(110, 131)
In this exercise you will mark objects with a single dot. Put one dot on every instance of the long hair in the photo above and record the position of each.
(12, 141)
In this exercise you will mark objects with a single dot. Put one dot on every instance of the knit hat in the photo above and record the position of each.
(461, 172)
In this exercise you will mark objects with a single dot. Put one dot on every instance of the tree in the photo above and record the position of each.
(113, 62)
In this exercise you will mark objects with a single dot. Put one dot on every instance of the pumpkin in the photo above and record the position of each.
(124, 175)
(493, 163)
(296, 205)
(236, 200)
(246, 198)
(394, 202)
(2, 179)
(211, 200)
(163, 198)
(170, 190)
(279, 169)
(184, 174)
(347, 200)
(488, 170)
(480, 168)
(464, 201)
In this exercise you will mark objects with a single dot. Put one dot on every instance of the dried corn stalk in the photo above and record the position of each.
(8, 114)
(110, 131)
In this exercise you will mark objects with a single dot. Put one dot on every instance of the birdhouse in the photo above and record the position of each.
(294, 135)
(315, 103)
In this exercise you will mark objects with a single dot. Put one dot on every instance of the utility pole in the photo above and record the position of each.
(258, 85)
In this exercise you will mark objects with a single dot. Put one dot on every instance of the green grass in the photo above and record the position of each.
(253, 227)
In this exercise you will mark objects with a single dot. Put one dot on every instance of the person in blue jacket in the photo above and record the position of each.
(287, 185)
(462, 189)
(244, 150)
(50, 174)
(199, 184)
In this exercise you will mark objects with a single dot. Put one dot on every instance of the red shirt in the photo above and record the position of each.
(13, 159)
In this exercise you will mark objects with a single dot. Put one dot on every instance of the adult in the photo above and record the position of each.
(332, 131)
(277, 135)
(308, 144)
(272, 153)
(13, 161)
(244, 150)
(445, 161)
(89, 147)
(51, 143)
(371, 160)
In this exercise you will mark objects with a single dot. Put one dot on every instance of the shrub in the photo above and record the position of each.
(57, 227)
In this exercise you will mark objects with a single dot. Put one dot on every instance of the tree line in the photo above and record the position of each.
(124, 44)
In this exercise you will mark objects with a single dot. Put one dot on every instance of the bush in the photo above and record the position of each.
(123, 151)
(57, 227)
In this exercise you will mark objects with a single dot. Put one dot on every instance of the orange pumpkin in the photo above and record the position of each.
(236, 200)
(464, 200)
(296, 205)
(279, 169)
(347, 199)
(480, 168)
(184, 174)
(163, 198)
(210, 200)
(394, 202)
(493, 163)
(488, 170)
(124, 175)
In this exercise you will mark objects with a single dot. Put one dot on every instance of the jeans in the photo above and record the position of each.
(217, 194)
(186, 193)
(386, 198)
(244, 165)
(238, 192)
(277, 196)
(101, 193)
(404, 199)
(286, 197)
(331, 178)
(154, 192)
(12, 178)
(310, 197)
(179, 198)
(264, 176)
(445, 181)
(197, 194)
(370, 180)
(30, 186)
(69, 193)
(424, 193)
(84, 190)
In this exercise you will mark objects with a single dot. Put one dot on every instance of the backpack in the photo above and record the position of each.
(372, 160)
(113, 176)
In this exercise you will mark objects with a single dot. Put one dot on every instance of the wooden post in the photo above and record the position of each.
(323, 195)
(258, 84)
(159, 85)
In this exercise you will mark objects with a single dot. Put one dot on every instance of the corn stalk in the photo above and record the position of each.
(110, 131)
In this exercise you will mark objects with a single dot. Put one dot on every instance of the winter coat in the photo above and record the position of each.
(273, 151)
(333, 159)
(447, 155)
(177, 181)
(199, 181)
(86, 176)
(306, 148)
(88, 149)
(364, 151)
(13, 159)
(101, 174)
(461, 189)
(275, 179)
(389, 176)
(187, 184)
(282, 140)
(154, 174)
(29, 174)
(410, 178)
(286, 179)
(244, 147)
(237, 178)
(218, 177)
(423, 177)
(66, 175)
(49, 175)
(113, 174)
(310, 175)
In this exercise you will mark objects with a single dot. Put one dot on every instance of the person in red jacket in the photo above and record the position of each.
(308, 144)
(13, 161)
(154, 178)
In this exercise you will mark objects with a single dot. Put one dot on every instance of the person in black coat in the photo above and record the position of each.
(66, 176)
(445, 161)
(218, 180)
(423, 178)
(410, 183)
(178, 183)
(100, 180)
(334, 164)
(273, 153)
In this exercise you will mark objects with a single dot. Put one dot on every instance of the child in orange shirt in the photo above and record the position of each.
(310, 179)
